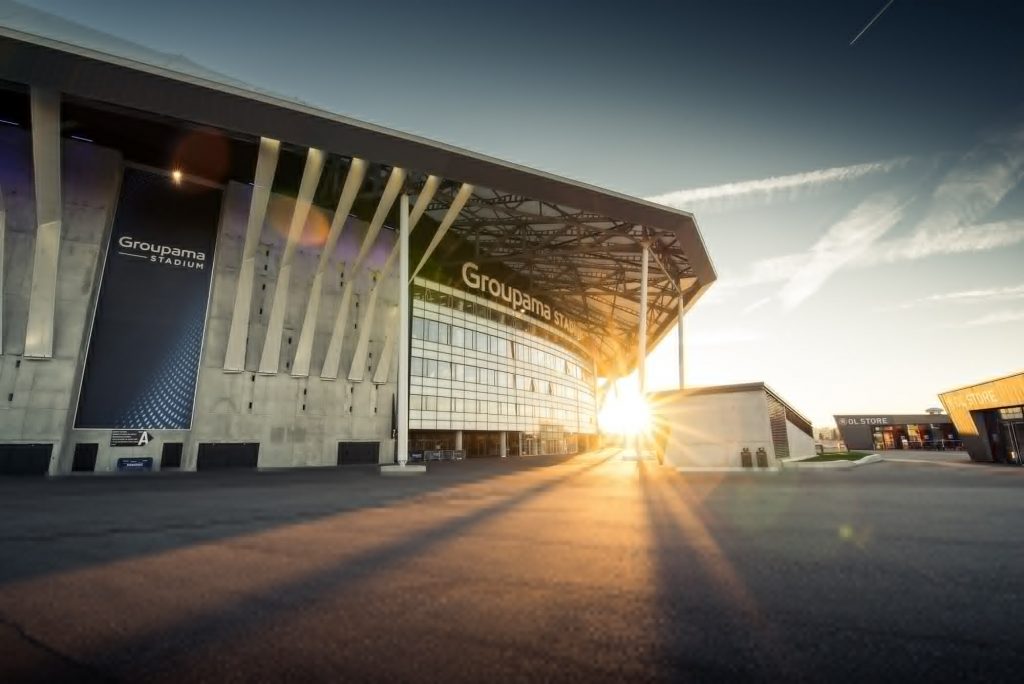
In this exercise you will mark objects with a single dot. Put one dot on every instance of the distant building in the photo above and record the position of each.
(990, 418)
(914, 431)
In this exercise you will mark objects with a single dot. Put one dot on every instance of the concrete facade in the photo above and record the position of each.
(296, 421)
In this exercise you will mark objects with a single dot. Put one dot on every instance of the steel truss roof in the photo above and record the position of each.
(586, 264)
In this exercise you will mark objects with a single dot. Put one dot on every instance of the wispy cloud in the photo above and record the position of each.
(768, 188)
(844, 243)
(978, 296)
(754, 306)
(926, 242)
(969, 191)
(951, 224)
(997, 318)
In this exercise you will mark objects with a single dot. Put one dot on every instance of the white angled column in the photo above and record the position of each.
(266, 165)
(403, 330)
(465, 192)
(357, 369)
(349, 192)
(387, 200)
(45, 112)
(271, 356)
(380, 375)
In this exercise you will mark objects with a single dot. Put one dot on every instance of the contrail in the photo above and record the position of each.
(873, 20)
(769, 186)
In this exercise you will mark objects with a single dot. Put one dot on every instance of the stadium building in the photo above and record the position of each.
(197, 274)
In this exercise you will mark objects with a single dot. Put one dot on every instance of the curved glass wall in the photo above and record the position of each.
(480, 366)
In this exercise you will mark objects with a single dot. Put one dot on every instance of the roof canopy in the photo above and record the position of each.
(576, 245)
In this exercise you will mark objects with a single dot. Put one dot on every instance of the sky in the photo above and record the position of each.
(862, 203)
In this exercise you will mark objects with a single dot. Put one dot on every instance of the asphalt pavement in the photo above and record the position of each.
(586, 568)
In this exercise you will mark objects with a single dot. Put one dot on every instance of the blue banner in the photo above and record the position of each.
(147, 335)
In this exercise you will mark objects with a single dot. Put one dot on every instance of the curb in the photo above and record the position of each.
(726, 469)
(833, 465)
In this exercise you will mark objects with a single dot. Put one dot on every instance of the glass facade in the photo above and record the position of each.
(477, 365)
(916, 436)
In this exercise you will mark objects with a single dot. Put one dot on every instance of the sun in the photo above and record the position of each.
(625, 412)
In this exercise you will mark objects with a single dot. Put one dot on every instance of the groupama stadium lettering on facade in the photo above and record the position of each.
(516, 298)
(163, 254)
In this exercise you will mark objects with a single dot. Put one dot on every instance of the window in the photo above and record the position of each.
(417, 328)
(416, 367)
(444, 370)
(470, 373)
(444, 404)
(415, 402)
(458, 337)
(481, 342)
(430, 365)
(460, 372)
(429, 403)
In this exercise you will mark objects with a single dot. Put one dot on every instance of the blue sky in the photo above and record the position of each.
(862, 204)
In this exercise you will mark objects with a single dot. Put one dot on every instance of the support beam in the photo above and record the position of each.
(465, 192)
(387, 200)
(684, 285)
(271, 356)
(266, 165)
(641, 359)
(304, 348)
(45, 113)
(403, 330)
(357, 369)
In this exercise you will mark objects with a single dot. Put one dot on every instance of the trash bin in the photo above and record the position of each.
(746, 460)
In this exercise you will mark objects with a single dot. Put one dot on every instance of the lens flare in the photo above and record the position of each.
(625, 412)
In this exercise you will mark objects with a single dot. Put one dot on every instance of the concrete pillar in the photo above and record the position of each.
(458, 440)
(403, 329)
(42, 302)
(503, 448)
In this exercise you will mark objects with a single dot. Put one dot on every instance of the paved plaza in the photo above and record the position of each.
(585, 568)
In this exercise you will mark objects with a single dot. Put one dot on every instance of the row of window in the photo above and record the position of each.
(464, 338)
(449, 370)
(425, 402)
(487, 313)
